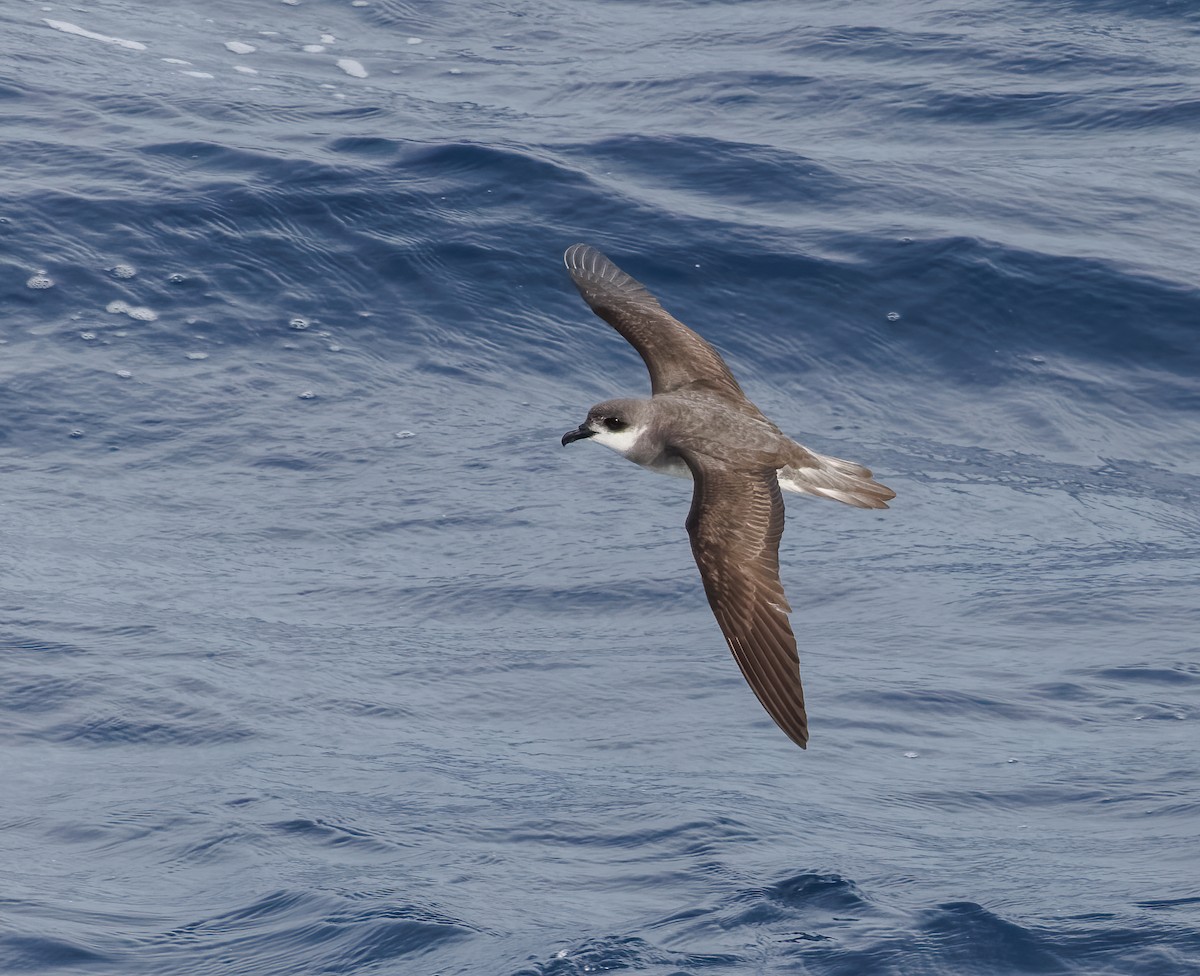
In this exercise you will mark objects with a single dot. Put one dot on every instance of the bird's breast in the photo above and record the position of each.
(671, 465)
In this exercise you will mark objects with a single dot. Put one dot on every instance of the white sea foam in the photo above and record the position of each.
(69, 28)
(352, 67)
(240, 47)
(138, 312)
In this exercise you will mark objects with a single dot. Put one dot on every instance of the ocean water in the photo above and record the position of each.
(319, 654)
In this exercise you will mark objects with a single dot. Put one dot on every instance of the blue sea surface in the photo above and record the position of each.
(319, 654)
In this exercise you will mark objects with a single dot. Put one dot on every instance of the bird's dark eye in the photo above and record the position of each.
(613, 423)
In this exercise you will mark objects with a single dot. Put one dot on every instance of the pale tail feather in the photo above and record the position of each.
(843, 481)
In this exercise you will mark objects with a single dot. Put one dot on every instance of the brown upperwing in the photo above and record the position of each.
(677, 358)
(735, 525)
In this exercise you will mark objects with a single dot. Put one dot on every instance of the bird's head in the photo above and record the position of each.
(615, 423)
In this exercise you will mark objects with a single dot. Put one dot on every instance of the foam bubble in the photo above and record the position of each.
(298, 324)
(893, 316)
(327, 38)
(138, 312)
(313, 48)
(240, 47)
(122, 270)
(196, 355)
(414, 40)
(87, 336)
(196, 74)
(308, 395)
(40, 281)
(403, 435)
(124, 374)
(352, 67)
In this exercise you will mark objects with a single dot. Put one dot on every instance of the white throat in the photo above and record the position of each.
(621, 441)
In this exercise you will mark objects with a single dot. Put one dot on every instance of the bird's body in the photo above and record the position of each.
(698, 423)
(665, 425)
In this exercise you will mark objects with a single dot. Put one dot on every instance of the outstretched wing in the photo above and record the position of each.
(735, 525)
(676, 357)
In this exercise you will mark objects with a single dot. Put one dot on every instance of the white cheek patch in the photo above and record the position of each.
(621, 441)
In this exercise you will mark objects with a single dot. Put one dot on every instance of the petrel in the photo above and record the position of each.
(699, 424)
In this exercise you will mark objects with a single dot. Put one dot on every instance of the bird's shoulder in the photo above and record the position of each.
(716, 430)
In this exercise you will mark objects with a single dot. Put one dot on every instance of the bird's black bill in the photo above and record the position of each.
(578, 434)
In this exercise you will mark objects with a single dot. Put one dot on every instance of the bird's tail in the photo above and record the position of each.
(830, 477)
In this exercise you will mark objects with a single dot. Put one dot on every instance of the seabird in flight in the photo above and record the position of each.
(699, 424)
